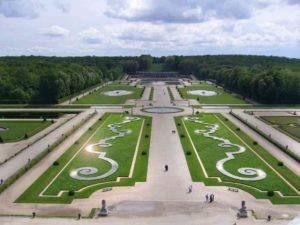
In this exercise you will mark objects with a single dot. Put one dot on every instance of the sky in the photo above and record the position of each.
(156, 27)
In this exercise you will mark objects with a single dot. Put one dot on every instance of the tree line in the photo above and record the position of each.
(263, 79)
(45, 80)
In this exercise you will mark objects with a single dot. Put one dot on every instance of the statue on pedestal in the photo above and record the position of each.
(242, 213)
(103, 211)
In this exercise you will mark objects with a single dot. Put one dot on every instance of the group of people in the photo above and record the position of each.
(209, 198)
(173, 132)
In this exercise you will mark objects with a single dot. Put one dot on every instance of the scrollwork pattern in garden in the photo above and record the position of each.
(256, 174)
(84, 173)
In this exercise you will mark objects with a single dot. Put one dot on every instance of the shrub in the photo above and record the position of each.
(148, 124)
(26, 136)
(270, 193)
(226, 119)
(182, 136)
(1, 140)
(238, 129)
(280, 163)
(146, 136)
(56, 163)
(179, 124)
(76, 142)
(144, 153)
(52, 121)
(44, 119)
(197, 112)
(90, 128)
(99, 119)
(254, 143)
(71, 193)
(188, 153)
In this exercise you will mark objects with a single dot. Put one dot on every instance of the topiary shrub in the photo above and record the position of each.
(146, 136)
(148, 124)
(144, 153)
(254, 143)
(179, 124)
(56, 163)
(1, 140)
(280, 163)
(188, 153)
(182, 136)
(270, 193)
(71, 193)
(226, 119)
(26, 136)
(238, 129)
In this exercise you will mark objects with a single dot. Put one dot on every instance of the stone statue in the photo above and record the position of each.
(242, 213)
(103, 210)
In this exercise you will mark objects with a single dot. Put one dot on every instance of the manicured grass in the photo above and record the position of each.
(57, 177)
(223, 98)
(17, 129)
(157, 67)
(289, 125)
(98, 97)
(255, 156)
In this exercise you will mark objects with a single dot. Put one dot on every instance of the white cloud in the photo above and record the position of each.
(20, 8)
(91, 36)
(55, 31)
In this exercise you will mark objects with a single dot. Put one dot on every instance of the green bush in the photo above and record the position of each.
(71, 193)
(188, 153)
(254, 143)
(270, 193)
(56, 163)
(280, 163)
(144, 153)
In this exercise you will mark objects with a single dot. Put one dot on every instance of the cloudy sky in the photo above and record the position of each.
(156, 27)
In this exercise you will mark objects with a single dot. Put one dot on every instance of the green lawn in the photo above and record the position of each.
(157, 67)
(222, 97)
(47, 187)
(98, 97)
(17, 129)
(289, 125)
(255, 156)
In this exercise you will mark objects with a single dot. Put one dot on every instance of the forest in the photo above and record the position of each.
(47, 80)
(269, 80)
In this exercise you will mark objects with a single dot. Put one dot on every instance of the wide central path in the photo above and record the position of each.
(165, 149)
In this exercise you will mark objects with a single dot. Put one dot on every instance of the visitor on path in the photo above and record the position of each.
(166, 168)
(211, 198)
(190, 189)
(206, 198)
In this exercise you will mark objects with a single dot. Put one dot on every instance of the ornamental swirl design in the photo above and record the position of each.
(84, 173)
(257, 174)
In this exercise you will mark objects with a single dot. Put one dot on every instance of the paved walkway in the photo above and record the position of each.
(280, 137)
(7, 150)
(275, 151)
(146, 94)
(21, 160)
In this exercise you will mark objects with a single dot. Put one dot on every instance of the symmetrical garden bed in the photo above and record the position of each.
(220, 154)
(209, 94)
(113, 152)
(111, 94)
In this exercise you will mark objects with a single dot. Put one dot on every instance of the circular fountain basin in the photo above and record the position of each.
(162, 110)
(117, 93)
(202, 93)
(3, 129)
